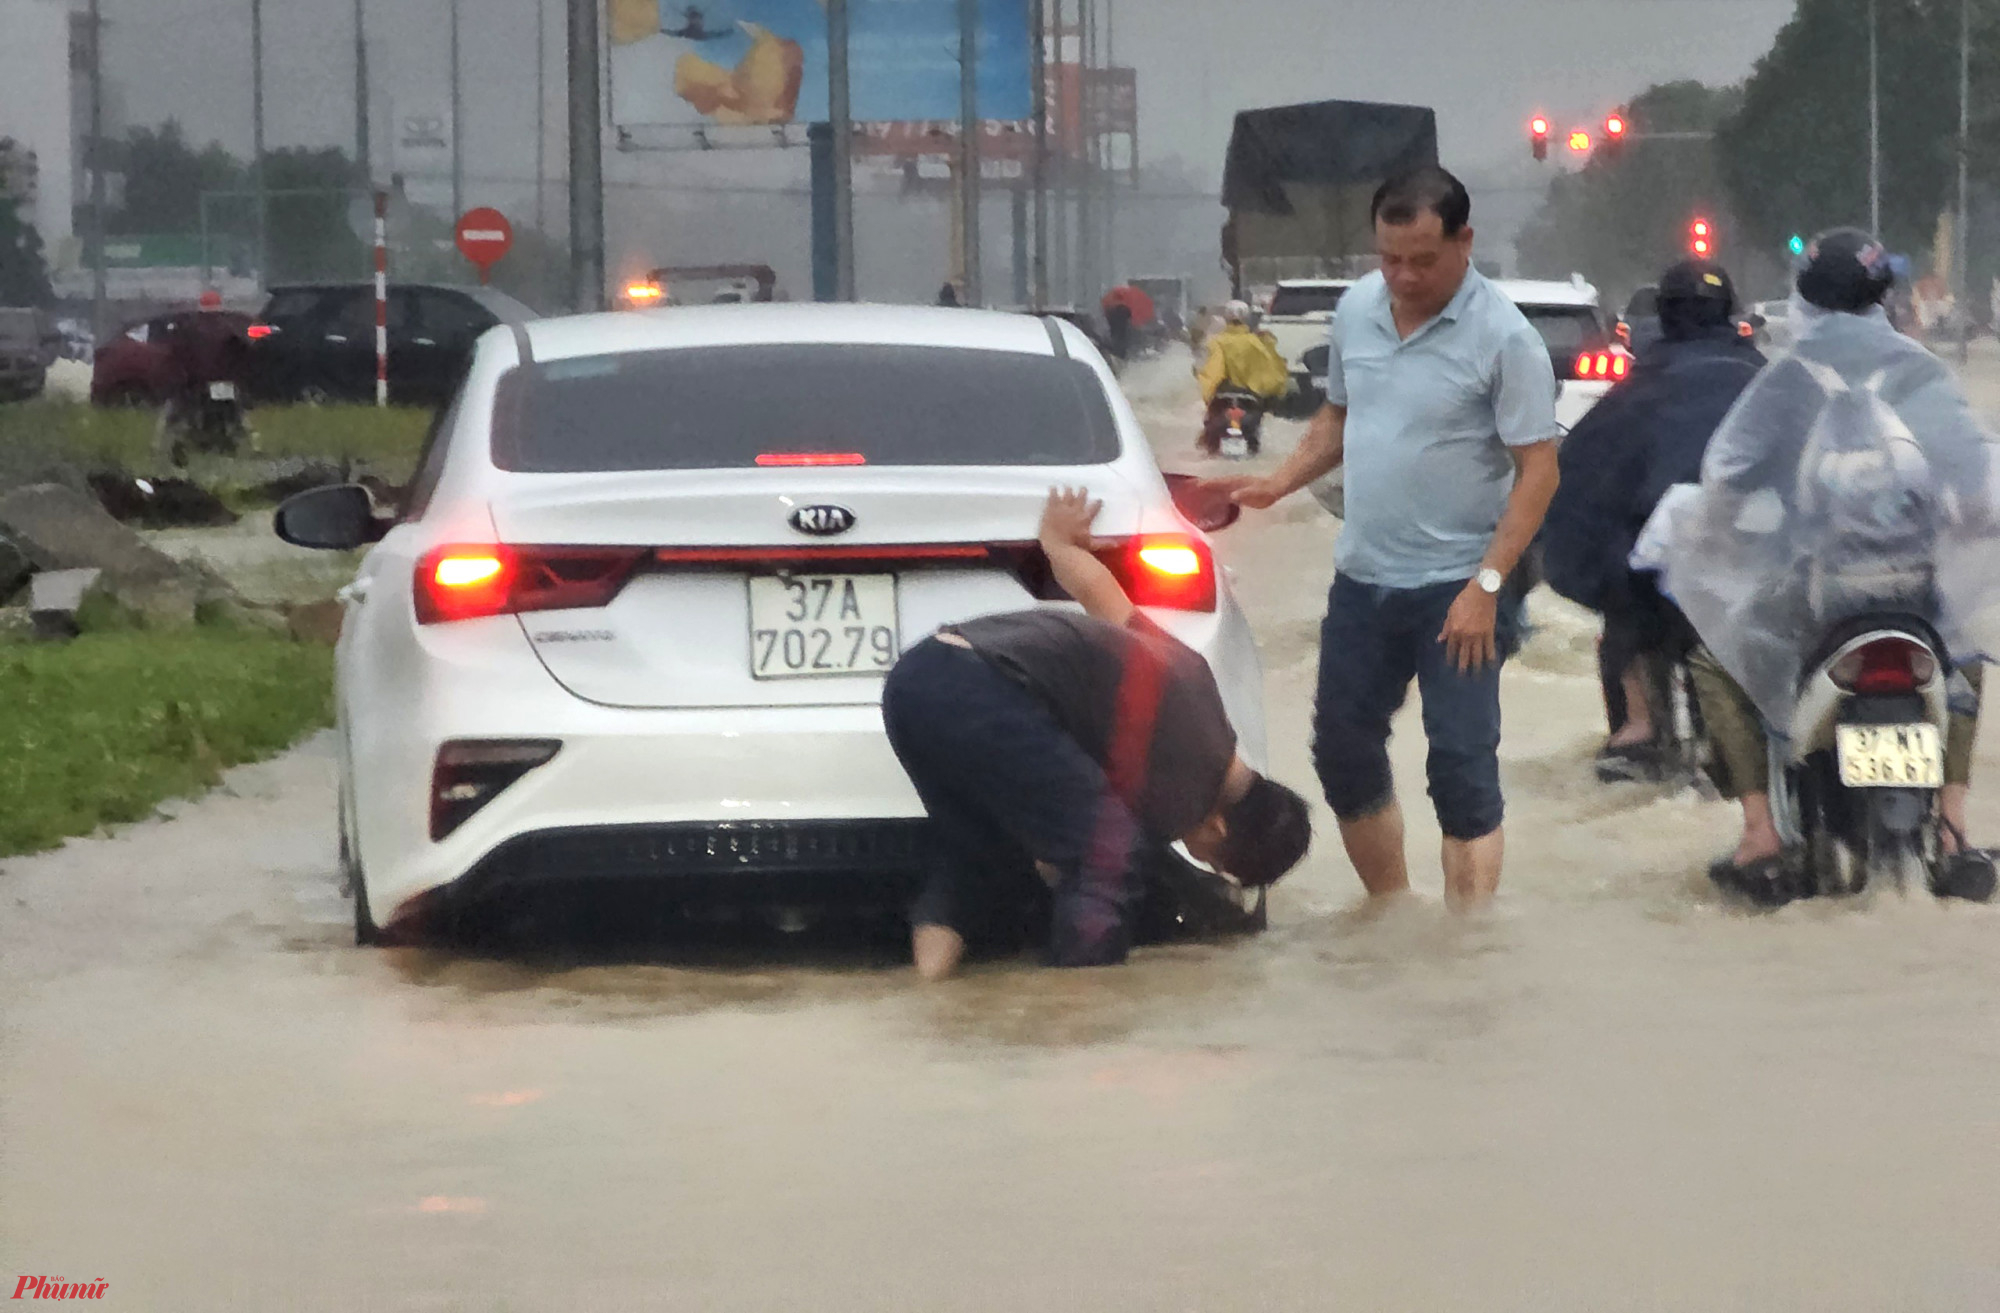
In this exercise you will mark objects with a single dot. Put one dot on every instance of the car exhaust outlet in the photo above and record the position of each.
(470, 773)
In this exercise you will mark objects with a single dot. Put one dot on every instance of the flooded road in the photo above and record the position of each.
(1615, 1091)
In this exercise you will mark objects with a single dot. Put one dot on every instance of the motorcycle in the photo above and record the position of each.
(1854, 787)
(1235, 425)
(207, 417)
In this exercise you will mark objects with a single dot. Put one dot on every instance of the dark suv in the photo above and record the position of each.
(317, 343)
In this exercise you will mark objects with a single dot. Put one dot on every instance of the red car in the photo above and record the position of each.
(136, 366)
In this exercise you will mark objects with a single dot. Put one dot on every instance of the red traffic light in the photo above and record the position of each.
(1699, 228)
(1538, 136)
(1579, 141)
(1539, 126)
(1701, 247)
(1614, 126)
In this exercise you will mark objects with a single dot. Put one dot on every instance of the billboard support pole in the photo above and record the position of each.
(825, 241)
(1038, 72)
(1086, 191)
(840, 122)
(586, 160)
(968, 146)
(1059, 274)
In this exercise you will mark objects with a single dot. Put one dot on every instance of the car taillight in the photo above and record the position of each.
(1887, 665)
(258, 332)
(1170, 571)
(465, 583)
(470, 773)
(1609, 365)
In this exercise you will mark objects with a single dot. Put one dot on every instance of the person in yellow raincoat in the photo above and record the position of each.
(1244, 361)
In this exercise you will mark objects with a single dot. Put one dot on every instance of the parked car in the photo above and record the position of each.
(632, 620)
(29, 344)
(316, 343)
(136, 366)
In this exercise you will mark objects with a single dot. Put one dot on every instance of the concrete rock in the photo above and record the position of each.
(56, 596)
(58, 528)
(14, 568)
(159, 503)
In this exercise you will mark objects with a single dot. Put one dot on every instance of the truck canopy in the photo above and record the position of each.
(1299, 179)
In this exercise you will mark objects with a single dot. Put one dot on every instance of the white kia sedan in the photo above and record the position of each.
(632, 617)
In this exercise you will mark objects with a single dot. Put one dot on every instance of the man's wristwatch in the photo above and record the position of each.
(1490, 581)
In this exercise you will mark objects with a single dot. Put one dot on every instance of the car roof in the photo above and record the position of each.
(509, 310)
(1530, 291)
(776, 324)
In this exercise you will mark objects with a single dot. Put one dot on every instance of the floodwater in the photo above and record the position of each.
(1613, 1091)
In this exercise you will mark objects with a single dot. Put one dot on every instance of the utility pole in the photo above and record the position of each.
(1874, 127)
(541, 117)
(262, 198)
(98, 325)
(457, 126)
(1962, 222)
(968, 146)
(1110, 245)
(586, 160)
(1038, 69)
(1086, 192)
(361, 152)
(1059, 275)
(840, 121)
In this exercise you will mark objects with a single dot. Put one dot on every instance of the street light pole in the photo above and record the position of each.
(1874, 126)
(257, 140)
(457, 125)
(586, 160)
(98, 324)
(1962, 222)
(541, 116)
(361, 149)
(968, 146)
(840, 121)
(1038, 69)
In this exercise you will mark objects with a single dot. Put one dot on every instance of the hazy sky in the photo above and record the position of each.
(1484, 64)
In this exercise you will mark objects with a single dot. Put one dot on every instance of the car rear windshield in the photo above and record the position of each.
(742, 406)
(1570, 330)
(289, 303)
(1305, 300)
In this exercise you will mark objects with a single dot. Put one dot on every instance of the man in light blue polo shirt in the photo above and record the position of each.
(1441, 401)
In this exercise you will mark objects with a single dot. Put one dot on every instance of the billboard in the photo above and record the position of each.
(762, 63)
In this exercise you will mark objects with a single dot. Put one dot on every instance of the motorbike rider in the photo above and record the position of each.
(1851, 477)
(1646, 435)
(209, 354)
(1239, 360)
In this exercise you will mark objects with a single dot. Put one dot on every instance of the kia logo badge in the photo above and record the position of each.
(822, 521)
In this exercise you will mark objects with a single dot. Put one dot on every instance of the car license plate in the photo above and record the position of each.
(222, 392)
(1890, 756)
(807, 625)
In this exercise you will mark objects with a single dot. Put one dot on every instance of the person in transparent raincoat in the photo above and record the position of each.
(1851, 477)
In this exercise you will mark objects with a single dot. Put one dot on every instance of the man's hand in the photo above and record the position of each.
(1067, 518)
(1246, 490)
(1468, 635)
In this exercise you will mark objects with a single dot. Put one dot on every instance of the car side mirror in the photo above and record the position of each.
(335, 519)
(1207, 509)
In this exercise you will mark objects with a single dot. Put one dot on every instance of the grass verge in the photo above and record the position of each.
(100, 730)
(42, 432)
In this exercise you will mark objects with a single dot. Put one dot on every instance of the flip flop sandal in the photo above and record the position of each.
(1767, 882)
(1635, 763)
(1969, 874)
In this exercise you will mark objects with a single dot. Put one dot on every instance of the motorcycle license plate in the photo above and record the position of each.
(807, 626)
(1890, 756)
(222, 392)
(1236, 446)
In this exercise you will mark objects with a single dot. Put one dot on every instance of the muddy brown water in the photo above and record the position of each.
(1614, 1091)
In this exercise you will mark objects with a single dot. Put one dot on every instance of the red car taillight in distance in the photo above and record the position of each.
(467, 583)
(808, 460)
(258, 332)
(1887, 665)
(469, 773)
(1170, 571)
(1607, 366)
